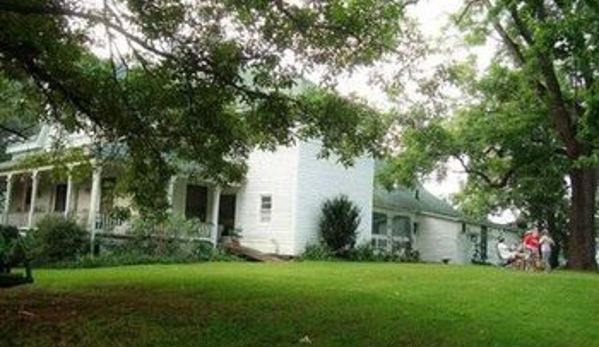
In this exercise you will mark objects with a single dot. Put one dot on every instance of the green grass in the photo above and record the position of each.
(335, 304)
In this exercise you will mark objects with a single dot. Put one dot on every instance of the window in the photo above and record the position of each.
(379, 224)
(379, 230)
(402, 232)
(265, 208)
(60, 198)
(196, 202)
(401, 226)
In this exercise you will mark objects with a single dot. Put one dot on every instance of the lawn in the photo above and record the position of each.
(334, 304)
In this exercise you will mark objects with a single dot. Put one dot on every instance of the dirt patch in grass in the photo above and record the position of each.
(96, 317)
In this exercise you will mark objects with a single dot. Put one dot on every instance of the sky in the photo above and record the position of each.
(433, 18)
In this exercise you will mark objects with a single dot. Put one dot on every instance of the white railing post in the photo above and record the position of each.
(94, 203)
(215, 212)
(170, 193)
(7, 198)
(34, 184)
(67, 204)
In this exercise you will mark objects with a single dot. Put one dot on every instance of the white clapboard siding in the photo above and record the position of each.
(274, 174)
(322, 179)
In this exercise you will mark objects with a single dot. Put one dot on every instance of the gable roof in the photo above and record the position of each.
(420, 200)
(416, 200)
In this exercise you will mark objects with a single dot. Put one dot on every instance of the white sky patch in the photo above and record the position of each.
(433, 18)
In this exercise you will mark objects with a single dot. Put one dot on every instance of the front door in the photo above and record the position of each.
(226, 212)
(60, 198)
(196, 202)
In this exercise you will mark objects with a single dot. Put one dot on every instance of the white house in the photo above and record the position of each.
(416, 219)
(276, 208)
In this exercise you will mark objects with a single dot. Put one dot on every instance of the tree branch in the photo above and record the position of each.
(97, 18)
(511, 44)
(466, 10)
(496, 184)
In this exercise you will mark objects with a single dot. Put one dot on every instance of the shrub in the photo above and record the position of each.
(203, 252)
(317, 252)
(172, 237)
(175, 238)
(120, 213)
(366, 252)
(339, 224)
(58, 239)
(14, 249)
(11, 280)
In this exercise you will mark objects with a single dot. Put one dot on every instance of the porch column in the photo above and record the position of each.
(94, 202)
(34, 183)
(7, 198)
(67, 204)
(215, 211)
(170, 193)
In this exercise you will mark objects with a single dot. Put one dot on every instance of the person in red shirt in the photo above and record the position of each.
(531, 248)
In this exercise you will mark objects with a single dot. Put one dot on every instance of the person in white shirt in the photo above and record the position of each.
(546, 243)
(506, 253)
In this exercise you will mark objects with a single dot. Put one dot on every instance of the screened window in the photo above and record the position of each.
(379, 224)
(402, 227)
(265, 208)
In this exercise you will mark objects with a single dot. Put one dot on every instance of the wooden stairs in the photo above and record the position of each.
(250, 253)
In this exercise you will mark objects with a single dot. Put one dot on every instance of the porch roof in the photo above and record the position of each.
(10, 164)
(413, 200)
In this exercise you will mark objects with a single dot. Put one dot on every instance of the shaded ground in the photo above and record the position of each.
(335, 304)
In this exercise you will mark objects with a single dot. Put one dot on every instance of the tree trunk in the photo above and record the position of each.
(582, 244)
(558, 238)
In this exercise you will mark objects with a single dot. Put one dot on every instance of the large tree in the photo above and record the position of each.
(553, 45)
(502, 139)
(205, 81)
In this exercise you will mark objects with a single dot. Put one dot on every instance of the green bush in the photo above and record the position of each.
(367, 252)
(338, 224)
(11, 280)
(58, 239)
(14, 249)
(203, 252)
(170, 238)
(317, 252)
(363, 253)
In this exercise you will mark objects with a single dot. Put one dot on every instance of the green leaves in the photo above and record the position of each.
(207, 81)
(502, 139)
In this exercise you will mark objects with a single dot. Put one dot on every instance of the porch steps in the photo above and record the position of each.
(251, 254)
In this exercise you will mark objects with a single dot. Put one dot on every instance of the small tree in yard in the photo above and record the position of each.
(339, 224)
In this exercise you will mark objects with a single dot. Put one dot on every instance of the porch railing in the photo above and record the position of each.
(390, 243)
(18, 219)
(21, 219)
(107, 225)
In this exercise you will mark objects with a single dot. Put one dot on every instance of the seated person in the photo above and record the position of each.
(506, 253)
